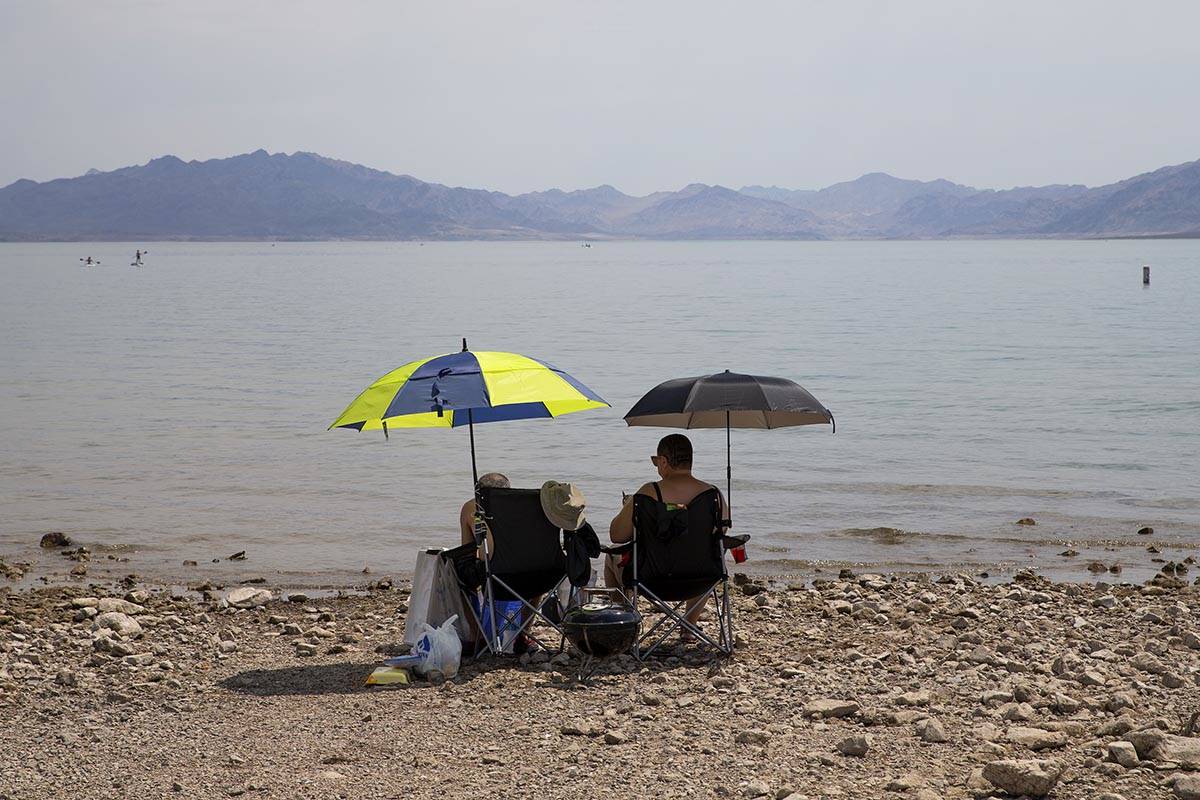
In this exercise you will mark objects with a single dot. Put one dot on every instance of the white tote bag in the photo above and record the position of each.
(435, 597)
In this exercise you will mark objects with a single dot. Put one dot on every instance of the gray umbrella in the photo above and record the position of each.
(728, 400)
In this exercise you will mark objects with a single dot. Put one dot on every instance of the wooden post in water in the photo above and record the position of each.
(1146, 275)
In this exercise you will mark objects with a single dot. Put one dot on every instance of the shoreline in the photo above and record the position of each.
(841, 688)
(79, 564)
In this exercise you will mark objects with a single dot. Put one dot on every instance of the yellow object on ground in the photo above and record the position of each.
(385, 676)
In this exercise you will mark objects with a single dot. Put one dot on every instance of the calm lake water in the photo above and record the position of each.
(179, 411)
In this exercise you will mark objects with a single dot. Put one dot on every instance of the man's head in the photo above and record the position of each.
(674, 455)
(493, 480)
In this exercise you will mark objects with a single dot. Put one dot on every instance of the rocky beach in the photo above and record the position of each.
(863, 686)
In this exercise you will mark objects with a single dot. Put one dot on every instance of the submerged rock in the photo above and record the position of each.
(55, 539)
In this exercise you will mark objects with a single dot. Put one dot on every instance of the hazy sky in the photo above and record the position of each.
(643, 95)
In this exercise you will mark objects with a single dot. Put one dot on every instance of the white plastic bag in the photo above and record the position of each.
(440, 649)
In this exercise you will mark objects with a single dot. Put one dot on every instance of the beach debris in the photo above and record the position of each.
(381, 676)
(1146, 531)
(240, 555)
(248, 597)
(1069, 553)
(1096, 566)
(1031, 777)
(1027, 521)
(55, 539)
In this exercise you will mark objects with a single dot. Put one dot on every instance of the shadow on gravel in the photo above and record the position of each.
(344, 678)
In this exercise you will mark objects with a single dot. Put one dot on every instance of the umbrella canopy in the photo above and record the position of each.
(458, 389)
(728, 400)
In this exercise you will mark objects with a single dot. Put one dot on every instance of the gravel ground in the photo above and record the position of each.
(861, 687)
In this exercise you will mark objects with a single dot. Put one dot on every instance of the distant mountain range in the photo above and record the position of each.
(306, 196)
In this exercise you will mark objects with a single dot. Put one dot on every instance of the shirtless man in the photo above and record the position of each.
(466, 517)
(674, 464)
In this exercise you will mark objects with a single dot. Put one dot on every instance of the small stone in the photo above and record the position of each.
(1036, 738)
(756, 788)
(1124, 753)
(752, 736)
(1018, 777)
(105, 604)
(1017, 712)
(931, 730)
(576, 728)
(1187, 787)
(1146, 531)
(615, 737)
(248, 597)
(55, 539)
(305, 649)
(920, 698)
(856, 746)
(122, 624)
(1026, 521)
(830, 708)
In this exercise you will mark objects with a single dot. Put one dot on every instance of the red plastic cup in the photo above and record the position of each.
(739, 553)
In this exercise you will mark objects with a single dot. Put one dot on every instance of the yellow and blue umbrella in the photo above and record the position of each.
(457, 389)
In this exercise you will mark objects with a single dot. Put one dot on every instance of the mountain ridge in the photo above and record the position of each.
(308, 196)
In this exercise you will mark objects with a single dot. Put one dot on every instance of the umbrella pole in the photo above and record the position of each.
(728, 472)
(471, 428)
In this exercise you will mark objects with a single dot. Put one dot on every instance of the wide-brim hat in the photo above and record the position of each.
(563, 504)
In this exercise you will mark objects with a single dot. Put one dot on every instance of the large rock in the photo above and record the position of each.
(831, 708)
(1034, 778)
(1155, 745)
(248, 597)
(117, 622)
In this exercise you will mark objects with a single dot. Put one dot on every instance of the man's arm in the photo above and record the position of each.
(466, 522)
(621, 528)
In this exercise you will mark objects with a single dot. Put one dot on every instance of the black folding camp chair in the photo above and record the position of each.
(677, 564)
(528, 562)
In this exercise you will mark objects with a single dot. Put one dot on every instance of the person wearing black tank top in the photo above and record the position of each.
(676, 487)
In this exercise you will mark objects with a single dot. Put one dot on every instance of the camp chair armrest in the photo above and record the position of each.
(617, 549)
(730, 542)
